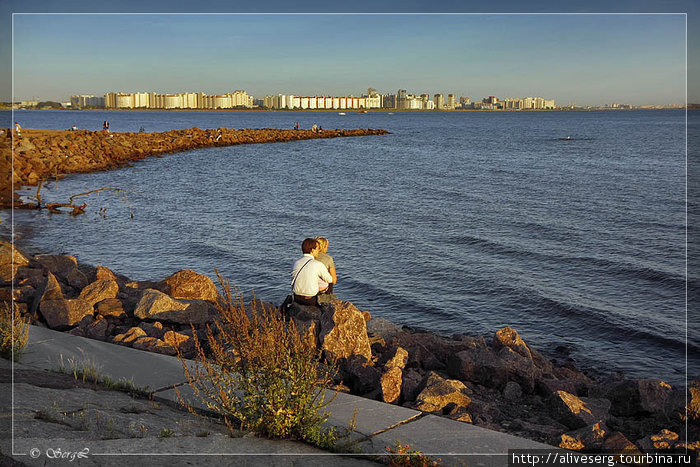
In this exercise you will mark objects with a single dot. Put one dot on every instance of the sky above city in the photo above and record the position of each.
(587, 59)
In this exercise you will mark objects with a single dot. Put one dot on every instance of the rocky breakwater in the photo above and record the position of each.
(40, 154)
(498, 382)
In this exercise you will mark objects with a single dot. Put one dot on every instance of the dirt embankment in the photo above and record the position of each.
(39, 154)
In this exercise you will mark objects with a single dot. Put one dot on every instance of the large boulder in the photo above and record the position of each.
(639, 397)
(360, 375)
(343, 331)
(129, 336)
(111, 307)
(10, 260)
(155, 305)
(189, 285)
(65, 268)
(63, 314)
(99, 290)
(577, 412)
(395, 357)
(494, 370)
(440, 392)
(181, 342)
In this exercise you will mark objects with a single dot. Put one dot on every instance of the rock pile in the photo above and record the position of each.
(39, 154)
(502, 384)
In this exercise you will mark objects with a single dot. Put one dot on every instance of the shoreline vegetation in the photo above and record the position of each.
(42, 154)
(497, 382)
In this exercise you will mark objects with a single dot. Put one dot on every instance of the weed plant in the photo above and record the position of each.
(14, 332)
(261, 373)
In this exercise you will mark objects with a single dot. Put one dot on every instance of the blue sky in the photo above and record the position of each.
(587, 59)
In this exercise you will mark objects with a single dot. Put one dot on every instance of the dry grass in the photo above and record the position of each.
(14, 332)
(260, 373)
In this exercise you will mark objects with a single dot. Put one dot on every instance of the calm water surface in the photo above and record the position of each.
(459, 222)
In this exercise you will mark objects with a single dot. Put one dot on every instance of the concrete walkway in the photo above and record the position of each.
(377, 425)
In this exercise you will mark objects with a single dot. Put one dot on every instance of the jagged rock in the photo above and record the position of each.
(35, 277)
(440, 392)
(10, 261)
(512, 391)
(343, 331)
(153, 329)
(663, 440)
(577, 412)
(304, 312)
(129, 336)
(156, 305)
(693, 407)
(589, 438)
(462, 417)
(99, 329)
(103, 273)
(151, 344)
(181, 342)
(52, 289)
(383, 328)
(390, 384)
(111, 307)
(548, 387)
(395, 357)
(411, 384)
(482, 366)
(189, 285)
(99, 290)
(632, 397)
(64, 267)
(508, 337)
(617, 443)
(362, 377)
(63, 314)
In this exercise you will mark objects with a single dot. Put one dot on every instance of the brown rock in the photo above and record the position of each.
(64, 267)
(390, 383)
(396, 357)
(153, 329)
(482, 366)
(508, 337)
(344, 331)
(440, 392)
(151, 344)
(63, 314)
(99, 290)
(362, 377)
(129, 336)
(52, 289)
(617, 443)
(10, 260)
(103, 273)
(664, 440)
(99, 329)
(411, 384)
(693, 407)
(181, 342)
(587, 439)
(190, 285)
(636, 397)
(111, 307)
(512, 391)
(577, 412)
(156, 305)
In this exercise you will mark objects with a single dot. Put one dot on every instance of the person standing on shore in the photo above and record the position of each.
(327, 261)
(18, 129)
(306, 273)
(105, 126)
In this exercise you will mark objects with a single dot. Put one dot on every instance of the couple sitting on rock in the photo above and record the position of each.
(313, 273)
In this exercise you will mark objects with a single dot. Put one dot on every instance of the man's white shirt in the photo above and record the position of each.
(307, 272)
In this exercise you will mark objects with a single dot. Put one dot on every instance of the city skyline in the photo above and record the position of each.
(587, 59)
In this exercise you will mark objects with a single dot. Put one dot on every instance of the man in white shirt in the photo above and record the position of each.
(306, 273)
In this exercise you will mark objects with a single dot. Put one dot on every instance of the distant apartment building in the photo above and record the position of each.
(87, 100)
(184, 100)
(291, 101)
(439, 101)
(450, 101)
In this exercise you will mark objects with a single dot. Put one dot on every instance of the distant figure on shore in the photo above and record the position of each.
(296, 126)
(306, 273)
(105, 126)
(142, 130)
(314, 128)
(328, 262)
(18, 129)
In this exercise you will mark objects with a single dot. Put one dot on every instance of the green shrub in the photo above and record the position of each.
(260, 372)
(14, 332)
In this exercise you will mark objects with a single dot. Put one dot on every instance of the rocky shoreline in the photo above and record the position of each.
(498, 382)
(41, 154)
